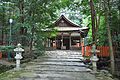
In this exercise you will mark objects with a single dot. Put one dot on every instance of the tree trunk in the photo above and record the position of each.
(110, 44)
(2, 37)
(32, 39)
(21, 8)
(31, 45)
(93, 19)
(107, 10)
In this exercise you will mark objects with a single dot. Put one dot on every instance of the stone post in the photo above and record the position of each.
(18, 55)
(94, 58)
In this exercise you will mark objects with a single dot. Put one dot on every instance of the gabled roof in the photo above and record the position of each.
(65, 22)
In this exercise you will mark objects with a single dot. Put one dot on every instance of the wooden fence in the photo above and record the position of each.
(104, 51)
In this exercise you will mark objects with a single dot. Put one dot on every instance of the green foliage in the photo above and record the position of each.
(102, 33)
(39, 14)
(35, 15)
(114, 20)
(6, 48)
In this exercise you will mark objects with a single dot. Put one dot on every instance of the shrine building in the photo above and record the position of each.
(69, 34)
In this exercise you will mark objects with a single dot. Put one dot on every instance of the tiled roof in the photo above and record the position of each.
(68, 21)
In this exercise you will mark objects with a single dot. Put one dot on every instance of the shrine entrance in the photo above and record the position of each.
(68, 36)
(66, 43)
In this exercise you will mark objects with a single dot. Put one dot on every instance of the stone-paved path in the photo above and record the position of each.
(55, 65)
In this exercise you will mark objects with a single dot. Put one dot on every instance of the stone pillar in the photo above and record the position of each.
(94, 58)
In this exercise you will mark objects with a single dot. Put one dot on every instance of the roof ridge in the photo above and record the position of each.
(68, 20)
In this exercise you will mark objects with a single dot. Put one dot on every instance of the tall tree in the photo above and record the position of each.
(37, 15)
(110, 43)
(93, 15)
(112, 11)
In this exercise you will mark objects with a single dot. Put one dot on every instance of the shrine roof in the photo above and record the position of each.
(65, 22)
(70, 28)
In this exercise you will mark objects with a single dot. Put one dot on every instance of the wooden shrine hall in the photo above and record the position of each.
(69, 34)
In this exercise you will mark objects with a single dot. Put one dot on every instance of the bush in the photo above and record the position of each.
(6, 50)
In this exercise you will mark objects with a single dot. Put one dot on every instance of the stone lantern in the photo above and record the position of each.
(18, 55)
(94, 57)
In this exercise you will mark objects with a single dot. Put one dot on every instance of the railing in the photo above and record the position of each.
(104, 51)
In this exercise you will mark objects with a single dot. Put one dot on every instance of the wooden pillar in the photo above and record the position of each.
(84, 46)
(70, 39)
(80, 41)
(2, 37)
(55, 43)
(49, 45)
(62, 41)
(46, 43)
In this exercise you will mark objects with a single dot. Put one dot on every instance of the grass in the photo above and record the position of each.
(10, 75)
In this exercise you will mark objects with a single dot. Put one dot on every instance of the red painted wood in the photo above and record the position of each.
(0, 55)
(104, 51)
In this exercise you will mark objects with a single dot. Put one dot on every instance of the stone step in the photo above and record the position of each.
(56, 76)
(53, 75)
(56, 67)
(62, 57)
(72, 55)
(82, 69)
(55, 54)
(58, 60)
(60, 63)
(61, 70)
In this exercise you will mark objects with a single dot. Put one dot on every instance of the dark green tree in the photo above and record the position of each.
(31, 17)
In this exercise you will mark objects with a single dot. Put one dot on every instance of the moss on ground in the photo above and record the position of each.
(10, 75)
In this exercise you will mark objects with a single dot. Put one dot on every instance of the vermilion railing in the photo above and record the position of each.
(104, 51)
